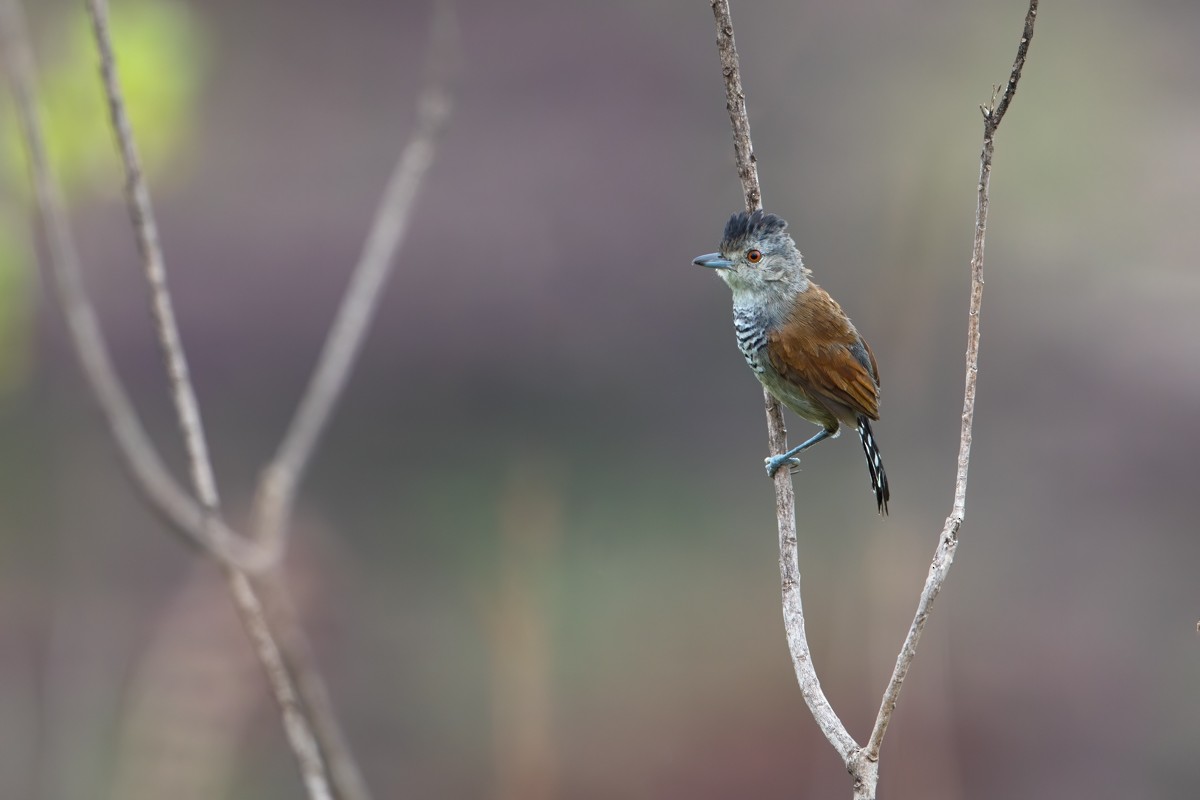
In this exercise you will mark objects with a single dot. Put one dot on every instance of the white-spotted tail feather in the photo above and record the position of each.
(879, 481)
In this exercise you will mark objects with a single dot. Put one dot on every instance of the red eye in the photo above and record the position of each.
(754, 256)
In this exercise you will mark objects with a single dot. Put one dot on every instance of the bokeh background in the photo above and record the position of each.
(537, 553)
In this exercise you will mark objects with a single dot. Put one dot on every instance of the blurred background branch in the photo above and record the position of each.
(296, 717)
(145, 229)
(309, 721)
(279, 480)
(139, 454)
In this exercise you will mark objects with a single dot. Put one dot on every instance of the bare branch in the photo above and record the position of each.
(296, 723)
(345, 777)
(785, 498)
(996, 113)
(943, 556)
(137, 452)
(735, 104)
(280, 479)
(141, 213)
(298, 727)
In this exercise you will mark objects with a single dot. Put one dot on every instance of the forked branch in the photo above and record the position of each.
(326, 764)
(297, 724)
(863, 762)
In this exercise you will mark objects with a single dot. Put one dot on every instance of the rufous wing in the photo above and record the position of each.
(818, 350)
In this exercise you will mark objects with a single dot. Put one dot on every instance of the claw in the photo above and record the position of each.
(775, 462)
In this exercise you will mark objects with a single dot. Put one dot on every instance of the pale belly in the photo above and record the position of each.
(788, 394)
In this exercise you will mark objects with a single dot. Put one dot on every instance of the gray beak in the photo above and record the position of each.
(713, 261)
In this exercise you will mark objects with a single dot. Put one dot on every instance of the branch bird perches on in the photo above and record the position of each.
(863, 761)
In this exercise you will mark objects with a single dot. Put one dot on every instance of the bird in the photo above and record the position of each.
(797, 340)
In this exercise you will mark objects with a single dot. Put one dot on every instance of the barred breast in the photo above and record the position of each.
(751, 326)
(751, 331)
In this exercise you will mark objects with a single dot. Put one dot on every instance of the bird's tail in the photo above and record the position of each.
(879, 481)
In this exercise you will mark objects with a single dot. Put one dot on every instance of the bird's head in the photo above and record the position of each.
(758, 256)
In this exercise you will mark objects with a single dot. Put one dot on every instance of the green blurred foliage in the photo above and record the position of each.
(160, 49)
(15, 305)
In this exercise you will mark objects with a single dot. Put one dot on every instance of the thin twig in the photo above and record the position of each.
(297, 724)
(281, 478)
(137, 451)
(345, 776)
(298, 727)
(141, 213)
(785, 498)
(943, 556)
(735, 104)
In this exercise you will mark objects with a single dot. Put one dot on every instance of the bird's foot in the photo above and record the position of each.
(775, 462)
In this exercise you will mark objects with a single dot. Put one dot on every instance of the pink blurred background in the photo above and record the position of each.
(537, 550)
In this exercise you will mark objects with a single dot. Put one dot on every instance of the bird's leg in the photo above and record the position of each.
(775, 462)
